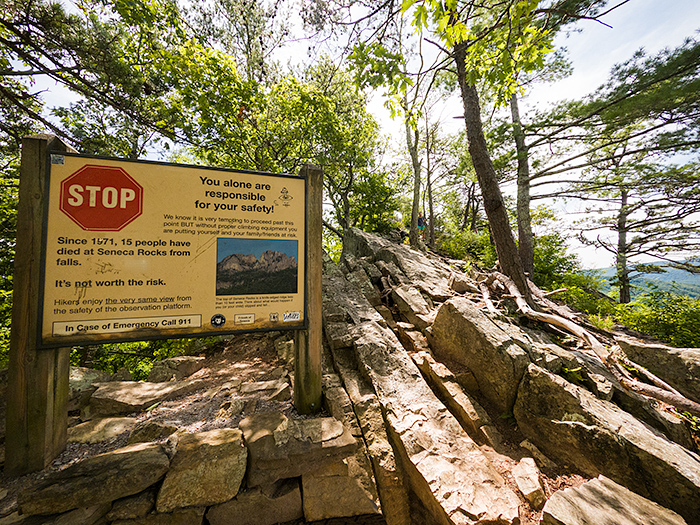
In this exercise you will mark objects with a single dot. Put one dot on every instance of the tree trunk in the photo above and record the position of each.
(412, 144)
(429, 186)
(623, 278)
(525, 237)
(494, 206)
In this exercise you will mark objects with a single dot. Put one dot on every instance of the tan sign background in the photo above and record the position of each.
(212, 251)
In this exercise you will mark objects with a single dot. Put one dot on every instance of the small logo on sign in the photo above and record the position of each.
(274, 317)
(285, 197)
(218, 320)
(291, 316)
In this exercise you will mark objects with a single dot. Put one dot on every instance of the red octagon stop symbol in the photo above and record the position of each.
(101, 198)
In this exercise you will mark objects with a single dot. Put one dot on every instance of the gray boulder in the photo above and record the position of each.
(124, 397)
(281, 448)
(334, 493)
(81, 385)
(100, 429)
(601, 501)
(278, 503)
(572, 426)
(133, 507)
(189, 516)
(464, 334)
(152, 431)
(175, 368)
(99, 479)
(679, 367)
(207, 469)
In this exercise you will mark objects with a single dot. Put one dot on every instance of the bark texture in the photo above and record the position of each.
(486, 175)
(525, 237)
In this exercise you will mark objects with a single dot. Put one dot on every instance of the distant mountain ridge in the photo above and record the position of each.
(673, 279)
(270, 261)
(272, 273)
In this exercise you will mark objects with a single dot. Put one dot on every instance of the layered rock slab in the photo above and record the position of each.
(278, 503)
(393, 492)
(572, 426)
(601, 501)
(464, 334)
(189, 516)
(207, 469)
(100, 429)
(99, 479)
(281, 448)
(446, 468)
(125, 397)
(334, 492)
(356, 467)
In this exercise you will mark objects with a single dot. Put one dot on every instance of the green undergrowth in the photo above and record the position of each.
(137, 357)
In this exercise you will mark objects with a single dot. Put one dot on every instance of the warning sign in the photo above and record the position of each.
(101, 198)
(137, 250)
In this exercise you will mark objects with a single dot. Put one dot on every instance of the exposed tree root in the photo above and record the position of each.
(612, 359)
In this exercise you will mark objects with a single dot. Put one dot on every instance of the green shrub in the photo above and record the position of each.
(5, 323)
(137, 357)
(673, 318)
(582, 293)
(553, 262)
(463, 244)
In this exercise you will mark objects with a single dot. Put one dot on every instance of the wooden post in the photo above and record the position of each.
(308, 343)
(37, 394)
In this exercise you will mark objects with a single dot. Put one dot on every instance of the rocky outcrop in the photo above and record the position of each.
(571, 425)
(207, 469)
(604, 502)
(99, 479)
(430, 275)
(564, 400)
(270, 261)
(442, 464)
(680, 367)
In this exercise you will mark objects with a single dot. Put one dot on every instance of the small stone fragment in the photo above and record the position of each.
(527, 477)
